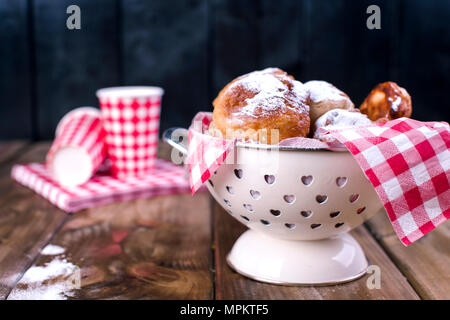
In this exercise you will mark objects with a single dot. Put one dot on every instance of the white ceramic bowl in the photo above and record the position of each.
(299, 205)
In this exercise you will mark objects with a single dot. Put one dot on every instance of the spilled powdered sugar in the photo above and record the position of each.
(322, 90)
(271, 93)
(51, 250)
(53, 269)
(51, 281)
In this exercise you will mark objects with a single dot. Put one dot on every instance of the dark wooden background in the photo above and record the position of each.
(192, 48)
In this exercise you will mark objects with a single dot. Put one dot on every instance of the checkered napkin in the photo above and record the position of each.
(101, 189)
(407, 162)
(205, 153)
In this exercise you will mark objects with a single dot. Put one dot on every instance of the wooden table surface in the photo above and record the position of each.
(174, 247)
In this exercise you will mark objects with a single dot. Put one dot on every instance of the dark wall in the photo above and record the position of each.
(192, 48)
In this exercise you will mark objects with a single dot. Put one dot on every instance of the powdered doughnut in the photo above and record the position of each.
(324, 97)
(340, 118)
(265, 106)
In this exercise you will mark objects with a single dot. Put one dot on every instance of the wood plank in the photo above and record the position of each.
(231, 285)
(424, 263)
(343, 51)
(165, 44)
(146, 249)
(379, 225)
(15, 70)
(289, 35)
(76, 62)
(426, 33)
(10, 149)
(236, 40)
(283, 30)
(157, 248)
(27, 222)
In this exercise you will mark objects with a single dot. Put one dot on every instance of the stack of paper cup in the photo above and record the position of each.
(131, 121)
(78, 149)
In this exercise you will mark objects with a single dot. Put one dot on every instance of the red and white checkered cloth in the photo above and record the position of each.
(101, 189)
(205, 153)
(407, 162)
(131, 126)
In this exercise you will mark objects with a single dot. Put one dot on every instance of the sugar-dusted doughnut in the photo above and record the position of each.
(324, 97)
(266, 106)
(340, 118)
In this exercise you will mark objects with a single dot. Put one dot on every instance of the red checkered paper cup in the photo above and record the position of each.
(131, 122)
(78, 149)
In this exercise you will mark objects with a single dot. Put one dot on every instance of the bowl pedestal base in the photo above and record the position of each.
(288, 262)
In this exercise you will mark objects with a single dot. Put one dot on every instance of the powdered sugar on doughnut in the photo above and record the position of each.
(271, 92)
(322, 90)
(340, 118)
(395, 103)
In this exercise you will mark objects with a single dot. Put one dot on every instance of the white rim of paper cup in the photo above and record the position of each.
(129, 92)
(85, 110)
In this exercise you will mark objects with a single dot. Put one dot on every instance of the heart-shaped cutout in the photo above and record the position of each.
(255, 194)
(228, 203)
(276, 213)
(289, 198)
(264, 222)
(335, 214)
(306, 214)
(338, 225)
(238, 173)
(360, 210)
(230, 190)
(321, 198)
(245, 218)
(315, 225)
(270, 179)
(341, 181)
(248, 207)
(307, 180)
(290, 225)
(353, 198)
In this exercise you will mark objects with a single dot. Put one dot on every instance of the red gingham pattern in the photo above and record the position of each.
(131, 126)
(205, 153)
(80, 128)
(407, 162)
(101, 189)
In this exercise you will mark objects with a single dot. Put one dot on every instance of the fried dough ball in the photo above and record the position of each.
(340, 118)
(324, 97)
(387, 101)
(264, 106)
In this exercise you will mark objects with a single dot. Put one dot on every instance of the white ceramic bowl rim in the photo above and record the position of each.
(281, 148)
(261, 146)
(167, 136)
